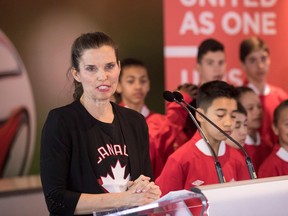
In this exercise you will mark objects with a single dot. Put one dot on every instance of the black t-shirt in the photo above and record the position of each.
(111, 156)
(70, 144)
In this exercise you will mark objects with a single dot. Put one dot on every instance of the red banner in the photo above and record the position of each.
(188, 22)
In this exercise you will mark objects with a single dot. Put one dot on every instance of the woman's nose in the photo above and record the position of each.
(101, 76)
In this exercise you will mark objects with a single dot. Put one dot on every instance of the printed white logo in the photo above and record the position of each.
(197, 182)
(118, 183)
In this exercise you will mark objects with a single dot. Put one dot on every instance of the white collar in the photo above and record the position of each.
(203, 147)
(250, 141)
(265, 92)
(144, 111)
(282, 154)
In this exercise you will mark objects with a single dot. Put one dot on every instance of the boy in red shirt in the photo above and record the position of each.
(134, 85)
(192, 164)
(211, 61)
(165, 132)
(169, 133)
(255, 59)
(277, 162)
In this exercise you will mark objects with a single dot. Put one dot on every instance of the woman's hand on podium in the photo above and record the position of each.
(143, 191)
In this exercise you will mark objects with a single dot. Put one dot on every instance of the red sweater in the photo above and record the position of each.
(258, 151)
(166, 134)
(192, 165)
(276, 164)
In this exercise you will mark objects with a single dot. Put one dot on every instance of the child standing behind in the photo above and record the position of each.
(211, 61)
(193, 164)
(166, 132)
(257, 147)
(134, 85)
(240, 130)
(277, 162)
(255, 59)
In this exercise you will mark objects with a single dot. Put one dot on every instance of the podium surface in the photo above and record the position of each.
(176, 203)
(263, 196)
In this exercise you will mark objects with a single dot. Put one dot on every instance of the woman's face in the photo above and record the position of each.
(98, 73)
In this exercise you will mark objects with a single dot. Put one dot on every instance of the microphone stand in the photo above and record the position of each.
(179, 97)
(202, 198)
(170, 97)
